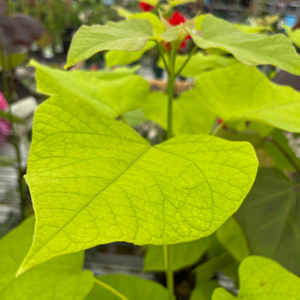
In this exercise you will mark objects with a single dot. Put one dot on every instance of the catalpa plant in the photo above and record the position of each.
(94, 180)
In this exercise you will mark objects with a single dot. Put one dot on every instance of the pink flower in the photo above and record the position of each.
(5, 127)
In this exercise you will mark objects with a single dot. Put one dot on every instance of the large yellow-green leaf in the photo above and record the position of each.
(94, 180)
(184, 254)
(132, 287)
(249, 49)
(129, 35)
(188, 115)
(270, 218)
(115, 57)
(200, 63)
(59, 278)
(244, 93)
(113, 97)
(232, 238)
(262, 278)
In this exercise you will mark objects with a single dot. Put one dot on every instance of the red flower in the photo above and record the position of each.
(177, 19)
(145, 6)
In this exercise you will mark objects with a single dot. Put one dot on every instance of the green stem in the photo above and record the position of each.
(171, 83)
(111, 289)
(220, 126)
(161, 52)
(168, 256)
(15, 140)
(186, 61)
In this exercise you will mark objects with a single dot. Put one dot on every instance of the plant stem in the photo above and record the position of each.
(171, 83)
(15, 140)
(111, 289)
(220, 126)
(161, 52)
(186, 61)
(168, 256)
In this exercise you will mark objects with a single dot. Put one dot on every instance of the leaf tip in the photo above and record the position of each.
(20, 271)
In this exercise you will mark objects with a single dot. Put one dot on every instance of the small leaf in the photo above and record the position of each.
(204, 290)
(184, 254)
(249, 49)
(263, 279)
(59, 278)
(270, 218)
(132, 287)
(244, 93)
(232, 238)
(124, 189)
(206, 270)
(188, 115)
(130, 35)
(113, 97)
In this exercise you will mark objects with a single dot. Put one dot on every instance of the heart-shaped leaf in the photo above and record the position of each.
(244, 93)
(262, 278)
(188, 115)
(116, 95)
(270, 218)
(94, 180)
(249, 49)
(59, 278)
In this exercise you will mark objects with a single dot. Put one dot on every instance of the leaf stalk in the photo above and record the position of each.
(110, 289)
